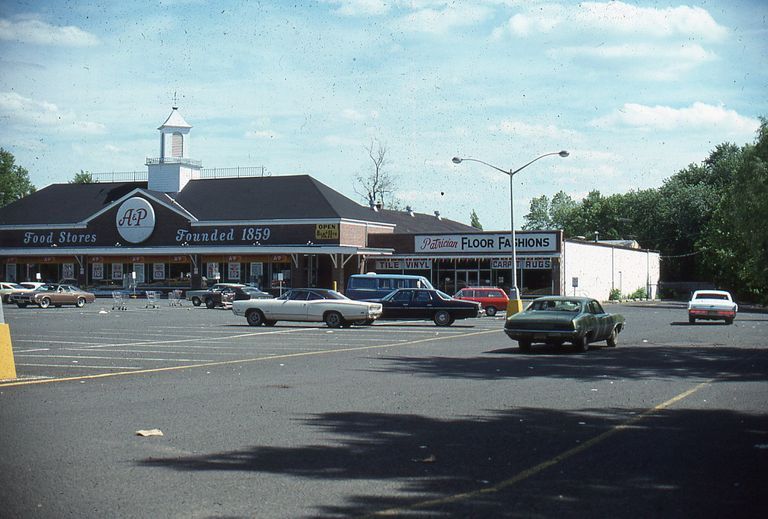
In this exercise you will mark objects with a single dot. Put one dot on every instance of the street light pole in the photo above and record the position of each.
(515, 304)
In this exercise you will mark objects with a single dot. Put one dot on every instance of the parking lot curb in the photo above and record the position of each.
(7, 365)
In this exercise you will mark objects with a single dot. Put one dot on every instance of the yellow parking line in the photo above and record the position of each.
(238, 361)
(525, 474)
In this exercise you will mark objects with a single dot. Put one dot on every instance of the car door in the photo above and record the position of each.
(422, 305)
(602, 320)
(293, 308)
(399, 306)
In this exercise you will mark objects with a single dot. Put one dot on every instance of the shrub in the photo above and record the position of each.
(615, 294)
(640, 293)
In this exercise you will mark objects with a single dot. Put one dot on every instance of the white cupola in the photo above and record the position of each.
(173, 169)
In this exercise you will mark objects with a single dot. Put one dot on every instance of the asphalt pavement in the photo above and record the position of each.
(399, 419)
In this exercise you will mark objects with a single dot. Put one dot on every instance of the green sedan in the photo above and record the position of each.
(555, 320)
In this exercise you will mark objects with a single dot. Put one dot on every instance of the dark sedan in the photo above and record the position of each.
(555, 320)
(229, 294)
(421, 303)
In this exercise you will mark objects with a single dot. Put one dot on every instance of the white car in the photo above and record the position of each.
(308, 304)
(21, 288)
(712, 305)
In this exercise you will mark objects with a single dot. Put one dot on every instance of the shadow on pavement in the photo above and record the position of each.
(677, 463)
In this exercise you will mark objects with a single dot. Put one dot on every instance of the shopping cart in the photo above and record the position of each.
(118, 300)
(175, 298)
(152, 297)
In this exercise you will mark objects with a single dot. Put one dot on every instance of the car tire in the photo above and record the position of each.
(254, 318)
(613, 338)
(209, 304)
(443, 318)
(490, 311)
(334, 320)
(21, 305)
(80, 302)
(581, 344)
(729, 321)
(45, 302)
(692, 320)
(196, 301)
(269, 323)
(524, 345)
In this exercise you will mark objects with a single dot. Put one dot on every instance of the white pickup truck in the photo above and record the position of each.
(712, 305)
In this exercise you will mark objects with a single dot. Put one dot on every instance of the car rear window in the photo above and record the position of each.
(709, 295)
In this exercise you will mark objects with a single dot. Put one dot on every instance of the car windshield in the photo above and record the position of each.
(555, 305)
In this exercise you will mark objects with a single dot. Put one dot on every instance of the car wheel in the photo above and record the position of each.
(691, 320)
(347, 324)
(524, 345)
(254, 317)
(490, 311)
(613, 338)
(80, 302)
(209, 304)
(269, 323)
(334, 320)
(443, 318)
(729, 321)
(582, 343)
(367, 322)
(21, 305)
(196, 301)
(45, 302)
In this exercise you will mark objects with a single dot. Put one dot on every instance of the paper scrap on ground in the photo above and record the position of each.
(149, 432)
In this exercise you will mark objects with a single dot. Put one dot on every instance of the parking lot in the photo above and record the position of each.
(98, 340)
(397, 418)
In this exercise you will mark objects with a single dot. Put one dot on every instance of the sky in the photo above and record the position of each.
(634, 91)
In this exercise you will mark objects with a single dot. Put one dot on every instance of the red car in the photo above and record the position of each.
(491, 298)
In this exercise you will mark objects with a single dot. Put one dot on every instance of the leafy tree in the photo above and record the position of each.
(14, 180)
(474, 221)
(539, 216)
(735, 242)
(560, 210)
(84, 177)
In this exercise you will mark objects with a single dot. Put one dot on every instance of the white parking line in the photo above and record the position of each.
(91, 357)
(75, 366)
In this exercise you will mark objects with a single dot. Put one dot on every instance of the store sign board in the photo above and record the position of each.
(135, 220)
(404, 264)
(522, 263)
(327, 231)
(487, 243)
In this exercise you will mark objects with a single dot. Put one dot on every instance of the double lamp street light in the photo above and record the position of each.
(515, 304)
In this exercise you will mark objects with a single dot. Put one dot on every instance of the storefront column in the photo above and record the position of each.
(196, 274)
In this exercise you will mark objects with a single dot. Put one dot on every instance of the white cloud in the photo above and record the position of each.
(41, 33)
(615, 18)
(698, 116)
(262, 134)
(23, 110)
(689, 53)
(522, 129)
(361, 7)
(440, 21)
(353, 115)
(629, 19)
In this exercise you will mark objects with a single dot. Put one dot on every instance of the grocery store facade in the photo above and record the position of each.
(180, 230)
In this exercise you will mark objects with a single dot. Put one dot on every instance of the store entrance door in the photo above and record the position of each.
(467, 278)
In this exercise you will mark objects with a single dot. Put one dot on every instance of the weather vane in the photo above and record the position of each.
(175, 100)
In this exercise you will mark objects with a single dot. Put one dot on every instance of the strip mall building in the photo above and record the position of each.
(180, 229)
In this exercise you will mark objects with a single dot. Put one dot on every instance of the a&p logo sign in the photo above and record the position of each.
(135, 220)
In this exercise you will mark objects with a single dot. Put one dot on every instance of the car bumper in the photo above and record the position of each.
(541, 335)
(711, 314)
